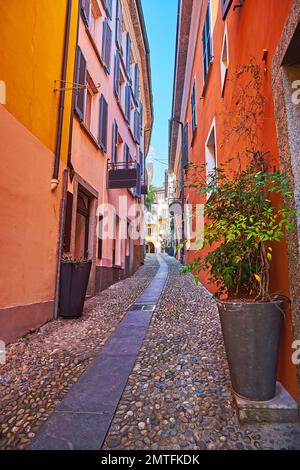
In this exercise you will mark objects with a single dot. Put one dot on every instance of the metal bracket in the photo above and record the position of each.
(75, 86)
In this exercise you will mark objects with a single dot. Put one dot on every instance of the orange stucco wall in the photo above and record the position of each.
(252, 28)
(32, 38)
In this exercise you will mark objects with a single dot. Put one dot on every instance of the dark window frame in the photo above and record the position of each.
(106, 45)
(115, 132)
(80, 92)
(103, 121)
(225, 6)
(207, 43)
(194, 108)
(85, 15)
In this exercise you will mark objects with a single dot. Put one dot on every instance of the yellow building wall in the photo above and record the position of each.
(32, 39)
(32, 36)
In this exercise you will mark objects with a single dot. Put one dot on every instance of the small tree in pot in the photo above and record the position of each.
(242, 225)
(74, 278)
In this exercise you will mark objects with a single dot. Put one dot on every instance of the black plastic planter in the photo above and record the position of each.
(74, 280)
(251, 334)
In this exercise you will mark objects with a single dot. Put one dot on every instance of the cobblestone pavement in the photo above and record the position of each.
(178, 395)
(42, 366)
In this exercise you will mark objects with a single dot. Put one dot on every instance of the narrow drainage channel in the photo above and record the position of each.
(83, 418)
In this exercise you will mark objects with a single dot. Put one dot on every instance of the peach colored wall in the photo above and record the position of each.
(252, 28)
(29, 216)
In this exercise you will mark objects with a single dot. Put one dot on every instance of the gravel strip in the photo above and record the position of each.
(178, 395)
(42, 366)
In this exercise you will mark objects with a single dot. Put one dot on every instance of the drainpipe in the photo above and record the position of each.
(55, 174)
(57, 160)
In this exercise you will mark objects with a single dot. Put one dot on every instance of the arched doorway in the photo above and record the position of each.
(150, 247)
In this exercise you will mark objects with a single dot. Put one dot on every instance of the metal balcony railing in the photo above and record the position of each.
(122, 175)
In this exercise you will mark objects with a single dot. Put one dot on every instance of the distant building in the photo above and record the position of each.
(158, 221)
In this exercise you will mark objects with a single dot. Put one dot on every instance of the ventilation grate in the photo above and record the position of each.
(143, 307)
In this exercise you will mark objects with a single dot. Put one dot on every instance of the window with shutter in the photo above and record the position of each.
(85, 11)
(117, 75)
(126, 155)
(128, 54)
(108, 8)
(106, 45)
(142, 163)
(119, 15)
(80, 80)
(137, 126)
(207, 43)
(141, 118)
(194, 108)
(226, 4)
(127, 102)
(115, 136)
(103, 123)
(185, 145)
(137, 189)
(136, 82)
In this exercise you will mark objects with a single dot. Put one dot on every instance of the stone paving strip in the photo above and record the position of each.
(43, 366)
(178, 395)
(82, 419)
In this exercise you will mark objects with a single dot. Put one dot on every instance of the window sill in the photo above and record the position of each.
(207, 77)
(90, 136)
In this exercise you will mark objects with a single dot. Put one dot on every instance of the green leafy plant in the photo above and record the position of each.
(150, 198)
(241, 226)
(243, 215)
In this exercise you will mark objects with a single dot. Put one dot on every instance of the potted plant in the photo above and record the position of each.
(74, 278)
(245, 216)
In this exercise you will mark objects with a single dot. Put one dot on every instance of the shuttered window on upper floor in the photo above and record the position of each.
(142, 163)
(126, 155)
(127, 102)
(138, 190)
(108, 7)
(85, 6)
(80, 92)
(115, 137)
(225, 4)
(103, 124)
(128, 55)
(119, 15)
(194, 108)
(106, 45)
(137, 135)
(136, 82)
(141, 117)
(117, 75)
(185, 160)
(207, 42)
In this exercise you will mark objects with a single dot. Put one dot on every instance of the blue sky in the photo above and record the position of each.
(161, 21)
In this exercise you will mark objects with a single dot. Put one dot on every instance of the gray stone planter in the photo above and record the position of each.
(251, 334)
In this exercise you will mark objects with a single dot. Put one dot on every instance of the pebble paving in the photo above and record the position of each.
(178, 395)
(42, 366)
